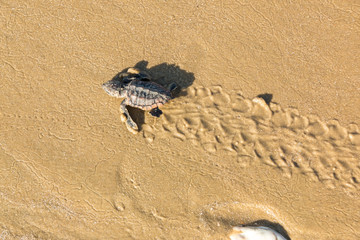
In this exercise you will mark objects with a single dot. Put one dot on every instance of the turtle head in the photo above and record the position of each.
(114, 88)
(118, 85)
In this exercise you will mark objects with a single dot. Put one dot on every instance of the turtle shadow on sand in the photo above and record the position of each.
(163, 74)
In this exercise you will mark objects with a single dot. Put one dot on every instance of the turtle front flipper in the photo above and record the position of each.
(125, 117)
(140, 75)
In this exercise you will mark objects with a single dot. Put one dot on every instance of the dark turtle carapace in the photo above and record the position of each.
(139, 91)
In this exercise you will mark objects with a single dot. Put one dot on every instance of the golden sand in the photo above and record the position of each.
(220, 155)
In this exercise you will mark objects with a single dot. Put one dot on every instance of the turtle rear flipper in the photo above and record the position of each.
(174, 89)
(156, 112)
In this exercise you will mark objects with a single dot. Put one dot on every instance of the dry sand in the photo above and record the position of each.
(218, 156)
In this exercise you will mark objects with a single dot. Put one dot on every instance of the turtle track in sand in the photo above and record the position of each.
(251, 130)
(227, 124)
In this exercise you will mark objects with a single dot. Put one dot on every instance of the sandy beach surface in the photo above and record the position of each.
(265, 129)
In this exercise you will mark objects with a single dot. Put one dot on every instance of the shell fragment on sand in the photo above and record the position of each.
(255, 233)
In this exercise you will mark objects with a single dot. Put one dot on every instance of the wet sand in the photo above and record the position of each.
(265, 129)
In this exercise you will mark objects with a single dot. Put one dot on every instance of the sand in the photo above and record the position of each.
(265, 129)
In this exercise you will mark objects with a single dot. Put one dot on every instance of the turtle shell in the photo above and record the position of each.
(146, 95)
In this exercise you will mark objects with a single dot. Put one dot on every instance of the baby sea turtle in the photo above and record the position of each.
(139, 91)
